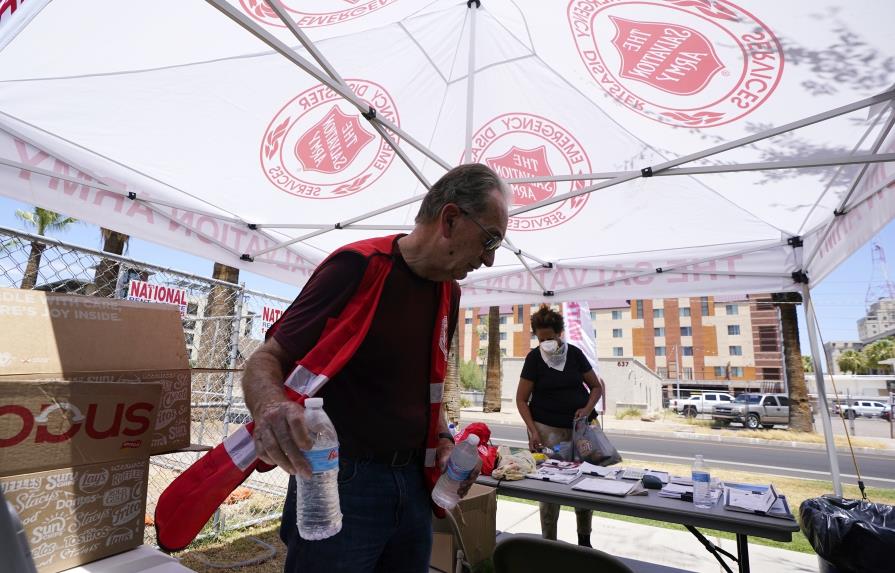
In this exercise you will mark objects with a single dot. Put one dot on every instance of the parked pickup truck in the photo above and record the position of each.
(858, 408)
(700, 403)
(754, 410)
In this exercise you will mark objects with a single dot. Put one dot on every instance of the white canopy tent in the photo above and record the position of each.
(656, 148)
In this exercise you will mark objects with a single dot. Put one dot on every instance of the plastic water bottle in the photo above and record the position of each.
(463, 460)
(702, 493)
(452, 429)
(319, 514)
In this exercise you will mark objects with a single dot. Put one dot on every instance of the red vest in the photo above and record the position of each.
(191, 499)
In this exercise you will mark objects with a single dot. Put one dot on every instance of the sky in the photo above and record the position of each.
(839, 299)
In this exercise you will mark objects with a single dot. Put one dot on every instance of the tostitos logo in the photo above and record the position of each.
(324, 12)
(525, 146)
(319, 146)
(690, 63)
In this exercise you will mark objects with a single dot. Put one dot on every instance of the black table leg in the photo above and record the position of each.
(743, 552)
(715, 550)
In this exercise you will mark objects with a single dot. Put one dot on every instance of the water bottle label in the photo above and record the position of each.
(701, 476)
(456, 473)
(322, 460)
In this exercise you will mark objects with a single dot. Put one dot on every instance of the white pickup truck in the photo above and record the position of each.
(700, 403)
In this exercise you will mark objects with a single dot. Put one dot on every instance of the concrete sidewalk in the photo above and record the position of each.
(652, 544)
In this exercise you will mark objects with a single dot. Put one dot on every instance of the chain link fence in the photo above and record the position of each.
(223, 323)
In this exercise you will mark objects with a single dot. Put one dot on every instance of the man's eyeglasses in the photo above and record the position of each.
(493, 241)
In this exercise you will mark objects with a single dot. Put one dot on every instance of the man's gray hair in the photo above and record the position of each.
(466, 186)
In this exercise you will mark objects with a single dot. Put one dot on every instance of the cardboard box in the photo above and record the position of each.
(444, 552)
(45, 425)
(59, 337)
(77, 515)
(476, 525)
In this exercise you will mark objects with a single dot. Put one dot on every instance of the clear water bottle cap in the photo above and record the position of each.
(473, 439)
(314, 403)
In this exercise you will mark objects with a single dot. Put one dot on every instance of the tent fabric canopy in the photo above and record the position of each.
(656, 148)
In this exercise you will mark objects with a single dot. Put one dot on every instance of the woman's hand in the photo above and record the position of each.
(582, 413)
(534, 441)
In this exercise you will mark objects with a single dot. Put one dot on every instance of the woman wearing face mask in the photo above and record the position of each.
(557, 385)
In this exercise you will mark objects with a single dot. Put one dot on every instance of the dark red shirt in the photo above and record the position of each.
(379, 401)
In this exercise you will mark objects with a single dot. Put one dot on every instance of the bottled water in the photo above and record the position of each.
(319, 514)
(702, 493)
(453, 429)
(461, 463)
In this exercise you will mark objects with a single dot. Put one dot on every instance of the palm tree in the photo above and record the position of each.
(877, 351)
(451, 398)
(492, 375)
(800, 419)
(41, 221)
(851, 361)
(214, 340)
(106, 277)
(807, 364)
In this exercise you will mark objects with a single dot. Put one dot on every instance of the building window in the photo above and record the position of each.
(503, 335)
(732, 309)
(593, 315)
(771, 373)
(468, 320)
(503, 319)
(519, 309)
(618, 351)
(767, 339)
(503, 351)
(616, 315)
(662, 372)
(660, 351)
(685, 311)
(638, 305)
(704, 305)
(659, 331)
(192, 308)
(733, 329)
(719, 372)
(688, 374)
(189, 339)
(686, 331)
(735, 350)
(736, 371)
(616, 333)
(189, 324)
(687, 350)
(484, 334)
(658, 313)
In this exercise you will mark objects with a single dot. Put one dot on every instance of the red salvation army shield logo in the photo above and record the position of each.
(523, 145)
(319, 146)
(690, 63)
(313, 13)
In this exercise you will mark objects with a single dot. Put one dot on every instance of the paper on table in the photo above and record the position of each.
(758, 499)
(607, 486)
(675, 490)
(552, 476)
(595, 470)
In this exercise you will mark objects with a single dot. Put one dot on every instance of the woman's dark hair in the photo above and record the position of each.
(546, 317)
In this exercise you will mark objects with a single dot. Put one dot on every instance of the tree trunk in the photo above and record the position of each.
(30, 279)
(799, 408)
(106, 277)
(492, 375)
(451, 398)
(214, 339)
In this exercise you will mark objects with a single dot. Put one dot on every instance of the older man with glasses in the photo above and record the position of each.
(384, 399)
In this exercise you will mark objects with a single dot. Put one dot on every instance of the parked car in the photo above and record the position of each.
(858, 408)
(700, 403)
(754, 410)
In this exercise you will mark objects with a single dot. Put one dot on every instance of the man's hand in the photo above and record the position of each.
(280, 435)
(443, 453)
(582, 413)
(467, 483)
(534, 442)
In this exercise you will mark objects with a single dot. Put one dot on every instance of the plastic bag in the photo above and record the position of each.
(854, 535)
(487, 452)
(513, 466)
(591, 444)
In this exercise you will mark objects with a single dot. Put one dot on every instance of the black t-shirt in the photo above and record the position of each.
(557, 395)
(380, 400)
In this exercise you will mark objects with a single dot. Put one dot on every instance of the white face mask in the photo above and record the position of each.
(550, 346)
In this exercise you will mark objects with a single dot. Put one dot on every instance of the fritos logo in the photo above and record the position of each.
(327, 13)
(690, 63)
(524, 146)
(318, 146)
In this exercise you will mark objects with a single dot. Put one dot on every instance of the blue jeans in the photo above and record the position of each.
(386, 523)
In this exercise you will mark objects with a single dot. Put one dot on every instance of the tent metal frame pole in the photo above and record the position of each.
(518, 254)
(329, 226)
(842, 208)
(822, 404)
(654, 170)
(237, 16)
(470, 82)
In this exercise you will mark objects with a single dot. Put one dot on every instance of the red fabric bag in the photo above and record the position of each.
(487, 452)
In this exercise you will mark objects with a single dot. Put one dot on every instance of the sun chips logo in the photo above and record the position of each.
(318, 146)
(525, 146)
(325, 13)
(690, 63)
